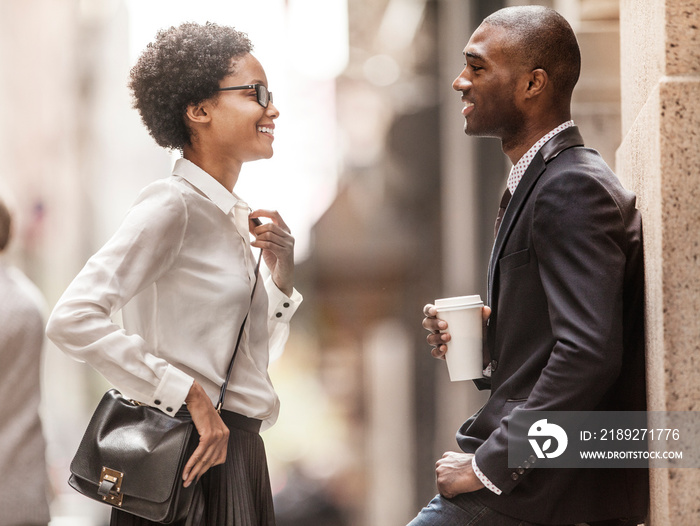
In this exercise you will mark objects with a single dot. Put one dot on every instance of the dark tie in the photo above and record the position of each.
(501, 210)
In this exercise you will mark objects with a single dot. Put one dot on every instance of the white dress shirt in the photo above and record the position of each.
(180, 267)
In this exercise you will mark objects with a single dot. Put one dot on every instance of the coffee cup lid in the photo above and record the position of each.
(458, 301)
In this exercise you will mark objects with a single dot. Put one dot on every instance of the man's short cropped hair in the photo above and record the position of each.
(182, 66)
(542, 38)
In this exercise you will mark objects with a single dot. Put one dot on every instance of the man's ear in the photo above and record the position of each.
(197, 113)
(537, 82)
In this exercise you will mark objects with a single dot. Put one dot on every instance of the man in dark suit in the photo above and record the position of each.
(565, 328)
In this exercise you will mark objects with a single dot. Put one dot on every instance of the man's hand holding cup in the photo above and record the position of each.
(440, 336)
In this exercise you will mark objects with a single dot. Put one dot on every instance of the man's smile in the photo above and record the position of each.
(468, 106)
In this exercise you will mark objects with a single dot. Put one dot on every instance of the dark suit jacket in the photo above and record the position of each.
(566, 331)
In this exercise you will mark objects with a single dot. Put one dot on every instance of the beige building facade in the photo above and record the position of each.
(660, 160)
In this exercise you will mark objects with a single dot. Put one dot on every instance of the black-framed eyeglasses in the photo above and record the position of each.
(264, 95)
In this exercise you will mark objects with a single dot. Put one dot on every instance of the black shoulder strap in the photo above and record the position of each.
(222, 393)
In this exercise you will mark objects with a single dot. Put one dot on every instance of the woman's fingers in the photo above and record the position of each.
(213, 435)
(209, 453)
(277, 244)
(272, 215)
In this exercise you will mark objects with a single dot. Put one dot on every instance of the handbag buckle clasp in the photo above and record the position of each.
(110, 486)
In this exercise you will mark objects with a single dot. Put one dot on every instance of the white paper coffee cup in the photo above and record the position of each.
(464, 323)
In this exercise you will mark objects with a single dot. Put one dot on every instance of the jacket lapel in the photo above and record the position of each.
(512, 212)
(557, 144)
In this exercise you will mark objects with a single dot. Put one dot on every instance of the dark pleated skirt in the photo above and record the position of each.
(236, 493)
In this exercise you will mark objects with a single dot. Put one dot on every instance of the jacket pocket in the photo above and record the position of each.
(512, 403)
(514, 260)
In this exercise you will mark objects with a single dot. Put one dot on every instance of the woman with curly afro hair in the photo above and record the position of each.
(181, 270)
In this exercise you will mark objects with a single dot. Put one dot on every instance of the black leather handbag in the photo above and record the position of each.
(132, 455)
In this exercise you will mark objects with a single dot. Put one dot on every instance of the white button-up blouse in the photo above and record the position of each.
(180, 268)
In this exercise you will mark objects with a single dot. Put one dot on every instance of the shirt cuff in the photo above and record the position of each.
(483, 478)
(171, 391)
(281, 307)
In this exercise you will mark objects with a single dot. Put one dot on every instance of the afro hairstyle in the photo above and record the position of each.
(182, 66)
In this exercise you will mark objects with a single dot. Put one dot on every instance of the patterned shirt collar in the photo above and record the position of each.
(517, 171)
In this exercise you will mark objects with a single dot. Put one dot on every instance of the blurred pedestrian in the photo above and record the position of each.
(24, 486)
(181, 269)
(565, 289)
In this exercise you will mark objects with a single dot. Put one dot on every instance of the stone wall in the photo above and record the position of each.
(660, 160)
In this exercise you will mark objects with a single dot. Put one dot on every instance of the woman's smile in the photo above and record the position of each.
(268, 130)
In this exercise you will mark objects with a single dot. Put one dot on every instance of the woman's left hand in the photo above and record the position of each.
(277, 244)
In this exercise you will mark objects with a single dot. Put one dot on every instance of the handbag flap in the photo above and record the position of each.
(146, 445)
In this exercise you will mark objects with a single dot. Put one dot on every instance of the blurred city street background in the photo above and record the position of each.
(391, 204)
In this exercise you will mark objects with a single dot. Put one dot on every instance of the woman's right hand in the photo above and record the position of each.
(213, 435)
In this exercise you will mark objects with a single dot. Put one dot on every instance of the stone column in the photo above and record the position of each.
(660, 160)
